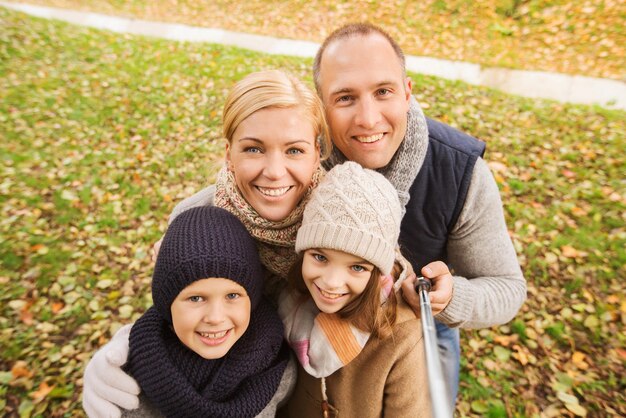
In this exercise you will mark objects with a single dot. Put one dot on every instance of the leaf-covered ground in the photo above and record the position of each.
(586, 37)
(101, 134)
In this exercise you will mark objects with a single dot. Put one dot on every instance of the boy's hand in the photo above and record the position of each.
(105, 385)
(441, 287)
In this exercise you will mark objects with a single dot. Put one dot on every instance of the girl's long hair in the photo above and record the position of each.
(366, 311)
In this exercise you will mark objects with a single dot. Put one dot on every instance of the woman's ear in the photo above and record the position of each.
(229, 162)
(318, 149)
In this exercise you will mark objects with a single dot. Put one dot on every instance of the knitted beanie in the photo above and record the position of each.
(354, 210)
(205, 242)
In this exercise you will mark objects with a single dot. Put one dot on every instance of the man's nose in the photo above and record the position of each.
(368, 113)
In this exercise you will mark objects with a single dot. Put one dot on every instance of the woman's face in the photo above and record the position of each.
(273, 155)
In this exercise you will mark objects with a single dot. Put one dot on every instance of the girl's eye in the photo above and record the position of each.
(318, 257)
(195, 298)
(358, 269)
(232, 296)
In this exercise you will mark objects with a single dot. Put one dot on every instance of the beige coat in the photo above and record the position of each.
(388, 378)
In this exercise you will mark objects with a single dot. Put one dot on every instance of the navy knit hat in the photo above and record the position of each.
(201, 243)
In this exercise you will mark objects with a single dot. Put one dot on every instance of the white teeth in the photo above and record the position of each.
(274, 191)
(331, 295)
(369, 139)
(213, 334)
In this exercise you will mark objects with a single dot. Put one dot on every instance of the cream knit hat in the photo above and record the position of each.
(354, 210)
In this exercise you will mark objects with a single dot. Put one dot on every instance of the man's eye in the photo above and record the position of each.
(383, 92)
(344, 98)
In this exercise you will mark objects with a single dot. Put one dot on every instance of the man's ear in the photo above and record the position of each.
(408, 88)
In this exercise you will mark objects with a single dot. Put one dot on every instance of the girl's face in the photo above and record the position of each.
(334, 278)
(273, 155)
(210, 315)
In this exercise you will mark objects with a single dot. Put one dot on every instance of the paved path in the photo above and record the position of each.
(537, 84)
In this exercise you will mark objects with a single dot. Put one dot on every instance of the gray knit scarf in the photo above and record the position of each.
(407, 162)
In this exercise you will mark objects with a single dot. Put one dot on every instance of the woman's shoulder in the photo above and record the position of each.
(205, 197)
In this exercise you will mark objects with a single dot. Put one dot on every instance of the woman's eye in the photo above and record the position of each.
(295, 151)
(232, 296)
(253, 150)
(195, 298)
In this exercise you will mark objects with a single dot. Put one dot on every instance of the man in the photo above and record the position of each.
(453, 213)
(453, 207)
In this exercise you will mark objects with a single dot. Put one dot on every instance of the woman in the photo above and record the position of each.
(276, 137)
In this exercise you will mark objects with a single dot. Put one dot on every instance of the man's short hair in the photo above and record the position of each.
(348, 31)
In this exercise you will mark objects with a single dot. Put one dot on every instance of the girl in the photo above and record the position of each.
(276, 136)
(210, 345)
(359, 345)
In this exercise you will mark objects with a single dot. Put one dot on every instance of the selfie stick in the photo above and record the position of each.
(436, 383)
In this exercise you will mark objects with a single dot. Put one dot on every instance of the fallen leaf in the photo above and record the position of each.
(56, 307)
(576, 409)
(571, 252)
(20, 369)
(41, 393)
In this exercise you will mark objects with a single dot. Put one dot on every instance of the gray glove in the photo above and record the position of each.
(106, 387)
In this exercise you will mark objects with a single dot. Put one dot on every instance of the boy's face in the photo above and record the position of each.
(334, 278)
(210, 315)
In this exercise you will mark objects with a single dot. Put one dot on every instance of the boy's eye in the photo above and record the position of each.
(232, 296)
(195, 298)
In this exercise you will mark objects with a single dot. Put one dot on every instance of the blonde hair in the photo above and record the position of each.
(274, 89)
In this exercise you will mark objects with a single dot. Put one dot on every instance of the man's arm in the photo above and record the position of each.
(489, 287)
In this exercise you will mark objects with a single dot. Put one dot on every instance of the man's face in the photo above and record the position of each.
(366, 98)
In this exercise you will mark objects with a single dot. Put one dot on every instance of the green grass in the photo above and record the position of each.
(575, 37)
(101, 134)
